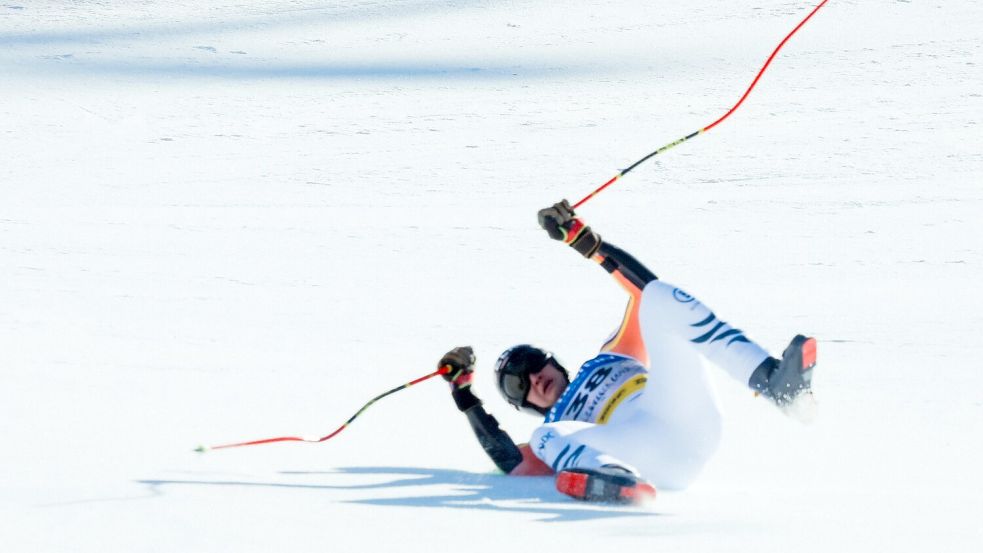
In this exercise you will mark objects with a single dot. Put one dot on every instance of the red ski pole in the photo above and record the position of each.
(442, 370)
(711, 125)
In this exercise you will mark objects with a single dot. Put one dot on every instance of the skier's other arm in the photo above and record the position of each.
(561, 223)
(516, 460)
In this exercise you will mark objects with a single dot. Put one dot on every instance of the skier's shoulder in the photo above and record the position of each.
(607, 361)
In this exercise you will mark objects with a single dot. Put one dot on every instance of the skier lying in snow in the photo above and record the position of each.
(643, 410)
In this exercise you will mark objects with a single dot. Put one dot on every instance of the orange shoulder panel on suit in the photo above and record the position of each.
(628, 340)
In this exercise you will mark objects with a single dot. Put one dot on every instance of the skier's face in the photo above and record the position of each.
(546, 386)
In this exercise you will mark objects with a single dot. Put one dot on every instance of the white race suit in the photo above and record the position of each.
(662, 420)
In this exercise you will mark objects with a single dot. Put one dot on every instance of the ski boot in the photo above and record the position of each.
(787, 381)
(606, 484)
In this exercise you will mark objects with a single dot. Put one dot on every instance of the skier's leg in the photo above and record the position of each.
(668, 453)
(678, 412)
(575, 444)
(669, 311)
(671, 430)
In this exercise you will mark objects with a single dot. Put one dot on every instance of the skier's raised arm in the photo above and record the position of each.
(561, 223)
(507, 456)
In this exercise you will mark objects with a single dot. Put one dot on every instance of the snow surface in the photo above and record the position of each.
(245, 219)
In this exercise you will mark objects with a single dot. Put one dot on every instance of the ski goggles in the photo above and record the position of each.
(514, 376)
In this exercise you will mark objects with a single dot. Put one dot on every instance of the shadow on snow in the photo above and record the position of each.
(324, 17)
(312, 71)
(314, 20)
(490, 492)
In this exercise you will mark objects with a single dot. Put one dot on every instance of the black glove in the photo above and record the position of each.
(461, 361)
(561, 223)
(552, 219)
